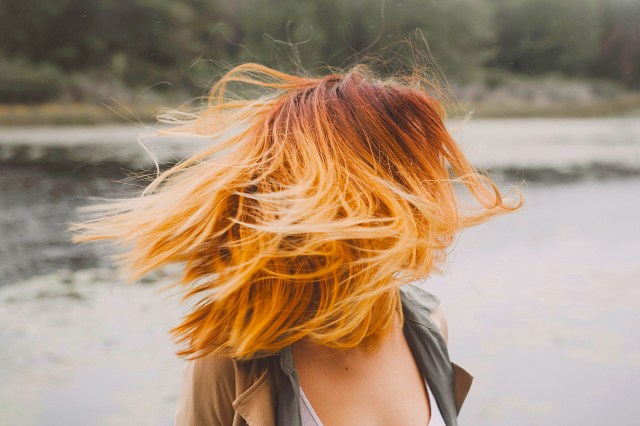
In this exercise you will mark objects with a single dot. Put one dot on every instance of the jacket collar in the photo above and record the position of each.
(430, 352)
(288, 392)
(255, 405)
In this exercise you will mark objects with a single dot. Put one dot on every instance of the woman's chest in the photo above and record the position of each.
(383, 388)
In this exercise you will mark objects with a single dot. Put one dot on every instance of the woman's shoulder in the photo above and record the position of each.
(207, 380)
(222, 374)
(213, 388)
(423, 307)
(419, 297)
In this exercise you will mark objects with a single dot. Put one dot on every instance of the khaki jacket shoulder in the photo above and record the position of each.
(217, 390)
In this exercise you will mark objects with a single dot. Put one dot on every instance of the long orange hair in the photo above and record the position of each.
(316, 198)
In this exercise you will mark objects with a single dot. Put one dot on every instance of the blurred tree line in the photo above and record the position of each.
(52, 47)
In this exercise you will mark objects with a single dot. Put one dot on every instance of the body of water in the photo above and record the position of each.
(543, 306)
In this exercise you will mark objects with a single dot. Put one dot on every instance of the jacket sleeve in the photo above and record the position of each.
(207, 393)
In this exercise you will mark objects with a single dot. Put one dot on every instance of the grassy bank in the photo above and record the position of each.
(494, 94)
(625, 105)
(59, 114)
(75, 113)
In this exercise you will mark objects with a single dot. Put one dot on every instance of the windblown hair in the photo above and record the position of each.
(315, 200)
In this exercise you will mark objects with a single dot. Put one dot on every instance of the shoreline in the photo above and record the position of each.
(60, 114)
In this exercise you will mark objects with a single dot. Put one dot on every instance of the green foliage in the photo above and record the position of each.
(21, 82)
(180, 45)
(313, 34)
(538, 36)
(619, 55)
(145, 41)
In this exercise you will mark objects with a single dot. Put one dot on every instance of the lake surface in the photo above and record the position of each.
(543, 306)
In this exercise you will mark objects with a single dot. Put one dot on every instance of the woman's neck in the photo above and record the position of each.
(340, 360)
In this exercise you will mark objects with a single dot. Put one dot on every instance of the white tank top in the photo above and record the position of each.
(310, 418)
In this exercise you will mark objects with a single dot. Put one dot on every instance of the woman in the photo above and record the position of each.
(298, 228)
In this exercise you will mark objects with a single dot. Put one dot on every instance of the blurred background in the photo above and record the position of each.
(543, 306)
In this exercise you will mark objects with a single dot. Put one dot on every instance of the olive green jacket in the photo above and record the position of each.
(265, 391)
